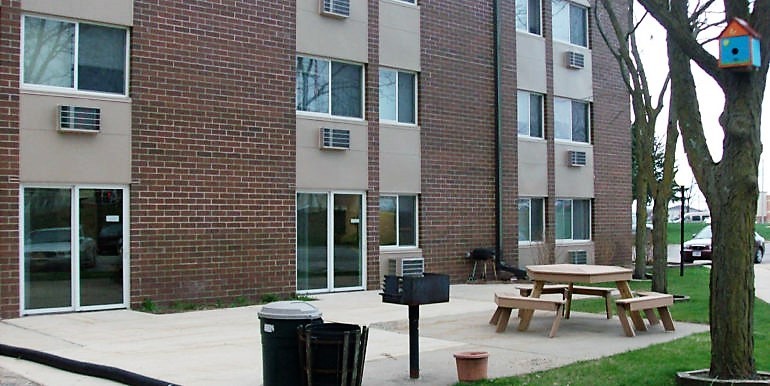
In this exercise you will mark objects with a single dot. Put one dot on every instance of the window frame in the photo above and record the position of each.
(415, 92)
(572, 102)
(572, 219)
(329, 107)
(529, 239)
(75, 53)
(397, 219)
(541, 114)
(527, 27)
(569, 6)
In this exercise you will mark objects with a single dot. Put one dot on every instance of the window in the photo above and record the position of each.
(530, 219)
(325, 86)
(74, 55)
(570, 22)
(398, 96)
(398, 221)
(530, 114)
(573, 219)
(571, 120)
(528, 16)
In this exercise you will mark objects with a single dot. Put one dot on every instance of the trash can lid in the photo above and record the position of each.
(289, 310)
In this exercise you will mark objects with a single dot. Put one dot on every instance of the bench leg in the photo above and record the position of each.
(568, 303)
(502, 322)
(665, 316)
(651, 317)
(495, 316)
(608, 305)
(556, 320)
(624, 321)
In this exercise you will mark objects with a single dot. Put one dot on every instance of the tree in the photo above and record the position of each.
(654, 170)
(729, 185)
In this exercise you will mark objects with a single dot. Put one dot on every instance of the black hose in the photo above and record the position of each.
(78, 367)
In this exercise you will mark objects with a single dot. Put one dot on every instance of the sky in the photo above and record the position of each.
(651, 40)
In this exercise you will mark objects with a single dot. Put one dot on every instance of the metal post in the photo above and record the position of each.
(414, 341)
(681, 233)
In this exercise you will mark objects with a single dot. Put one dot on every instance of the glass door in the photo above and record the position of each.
(73, 255)
(329, 242)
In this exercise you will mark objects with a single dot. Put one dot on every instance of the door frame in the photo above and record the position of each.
(75, 246)
(330, 241)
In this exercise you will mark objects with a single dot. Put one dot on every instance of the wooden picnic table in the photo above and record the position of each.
(579, 273)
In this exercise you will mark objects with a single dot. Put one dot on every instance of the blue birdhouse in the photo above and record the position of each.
(739, 46)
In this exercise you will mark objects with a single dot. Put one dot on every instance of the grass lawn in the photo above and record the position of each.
(658, 364)
(690, 228)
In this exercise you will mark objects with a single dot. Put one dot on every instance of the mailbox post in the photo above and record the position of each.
(413, 291)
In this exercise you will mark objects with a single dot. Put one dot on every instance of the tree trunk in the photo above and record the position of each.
(659, 242)
(640, 242)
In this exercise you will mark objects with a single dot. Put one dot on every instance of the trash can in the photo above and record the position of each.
(279, 323)
(332, 354)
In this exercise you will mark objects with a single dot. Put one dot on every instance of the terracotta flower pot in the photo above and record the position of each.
(471, 365)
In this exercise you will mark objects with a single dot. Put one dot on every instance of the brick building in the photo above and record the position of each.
(204, 151)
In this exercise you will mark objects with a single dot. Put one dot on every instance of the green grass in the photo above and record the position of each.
(690, 228)
(658, 364)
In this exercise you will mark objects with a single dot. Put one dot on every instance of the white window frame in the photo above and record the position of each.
(74, 89)
(329, 91)
(571, 4)
(542, 220)
(541, 112)
(397, 230)
(572, 220)
(416, 92)
(571, 122)
(529, 10)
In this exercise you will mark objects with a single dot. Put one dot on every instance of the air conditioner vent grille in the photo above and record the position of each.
(406, 266)
(335, 8)
(575, 60)
(77, 118)
(578, 257)
(335, 139)
(577, 158)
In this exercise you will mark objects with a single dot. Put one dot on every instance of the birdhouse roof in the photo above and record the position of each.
(738, 27)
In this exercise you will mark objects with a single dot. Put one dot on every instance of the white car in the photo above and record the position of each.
(51, 247)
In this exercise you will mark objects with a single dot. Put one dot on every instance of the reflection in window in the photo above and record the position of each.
(397, 96)
(50, 60)
(321, 83)
(570, 22)
(398, 220)
(573, 219)
(528, 16)
(530, 114)
(571, 120)
(531, 219)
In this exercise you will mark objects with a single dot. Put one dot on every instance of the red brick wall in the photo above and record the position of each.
(373, 136)
(612, 149)
(456, 105)
(213, 143)
(9, 158)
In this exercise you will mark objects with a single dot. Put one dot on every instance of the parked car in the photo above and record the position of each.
(50, 247)
(110, 238)
(699, 248)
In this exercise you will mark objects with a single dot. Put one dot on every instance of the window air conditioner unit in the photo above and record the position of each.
(577, 158)
(575, 60)
(77, 118)
(335, 139)
(578, 257)
(406, 266)
(335, 8)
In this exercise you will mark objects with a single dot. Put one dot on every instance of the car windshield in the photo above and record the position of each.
(704, 233)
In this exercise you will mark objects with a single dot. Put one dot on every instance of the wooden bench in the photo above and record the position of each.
(506, 302)
(647, 302)
(606, 293)
(526, 289)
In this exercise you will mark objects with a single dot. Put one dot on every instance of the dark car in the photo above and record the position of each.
(110, 239)
(699, 248)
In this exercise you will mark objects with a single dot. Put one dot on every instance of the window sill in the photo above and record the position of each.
(327, 117)
(26, 90)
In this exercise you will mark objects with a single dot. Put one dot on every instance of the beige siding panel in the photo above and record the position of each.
(331, 169)
(119, 12)
(533, 168)
(399, 159)
(48, 155)
(324, 36)
(573, 181)
(572, 83)
(399, 35)
(530, 54)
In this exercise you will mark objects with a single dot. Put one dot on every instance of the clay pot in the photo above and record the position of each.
(471, 365)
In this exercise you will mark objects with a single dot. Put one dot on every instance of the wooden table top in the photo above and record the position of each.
(582, 273)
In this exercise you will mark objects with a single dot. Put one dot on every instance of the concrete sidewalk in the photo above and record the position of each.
(222, 347)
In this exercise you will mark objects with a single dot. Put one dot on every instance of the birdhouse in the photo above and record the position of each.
(739, 46)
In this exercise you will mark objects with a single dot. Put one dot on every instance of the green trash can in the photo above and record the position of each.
(279, 322)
